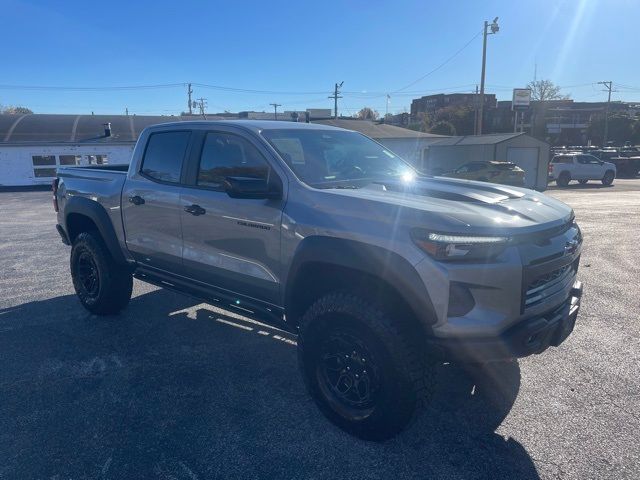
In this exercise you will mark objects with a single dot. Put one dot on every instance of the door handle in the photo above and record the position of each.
(136, 200)
(195, 210)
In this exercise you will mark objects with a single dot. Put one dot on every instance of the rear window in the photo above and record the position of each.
(561, 160)
(164, 155)
(504, 166)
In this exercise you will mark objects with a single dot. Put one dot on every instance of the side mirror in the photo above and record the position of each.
(247, 187)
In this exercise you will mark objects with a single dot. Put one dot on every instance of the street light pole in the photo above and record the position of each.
(494, 29)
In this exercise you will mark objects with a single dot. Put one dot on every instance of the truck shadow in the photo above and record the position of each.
(175, 389)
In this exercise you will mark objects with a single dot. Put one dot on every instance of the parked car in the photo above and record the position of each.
(581, 167)
(506, 173)
(381, 272)
(627, 161)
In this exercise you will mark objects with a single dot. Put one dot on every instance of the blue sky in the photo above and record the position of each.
(299, 49)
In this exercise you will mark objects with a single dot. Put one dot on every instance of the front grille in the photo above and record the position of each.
(549, 283)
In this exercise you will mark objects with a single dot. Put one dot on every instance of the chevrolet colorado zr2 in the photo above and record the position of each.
(380, 271)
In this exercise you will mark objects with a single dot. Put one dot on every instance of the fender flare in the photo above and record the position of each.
(96, 212)
(369, 259)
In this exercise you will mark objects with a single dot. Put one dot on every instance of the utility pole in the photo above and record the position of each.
(202, 104)
(275, 109)
(386, 111)
(494, 29)
(189, 92)
(336, 96)
(126, 111)
(608, 85)
(475, 113)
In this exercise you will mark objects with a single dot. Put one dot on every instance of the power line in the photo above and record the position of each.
(90, 89)
(442, 64)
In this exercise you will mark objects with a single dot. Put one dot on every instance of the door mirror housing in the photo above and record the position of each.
(247, 187)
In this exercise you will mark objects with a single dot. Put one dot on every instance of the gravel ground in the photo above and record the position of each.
(176, 389)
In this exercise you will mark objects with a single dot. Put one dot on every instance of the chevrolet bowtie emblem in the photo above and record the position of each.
(570, 247)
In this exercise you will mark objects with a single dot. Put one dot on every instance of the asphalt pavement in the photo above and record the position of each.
(175, 389)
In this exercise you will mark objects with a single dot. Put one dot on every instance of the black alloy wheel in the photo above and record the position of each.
(348, 374)
(87, 273)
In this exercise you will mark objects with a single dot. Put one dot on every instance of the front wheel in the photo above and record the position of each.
(103, 287)
(608, 178)
(363, 373)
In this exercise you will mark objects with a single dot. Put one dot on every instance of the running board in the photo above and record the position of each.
(240, 305)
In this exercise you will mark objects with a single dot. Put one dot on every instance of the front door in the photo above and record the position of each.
(151, 203)
(229, 243)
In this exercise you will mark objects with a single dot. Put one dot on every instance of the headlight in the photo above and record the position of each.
(444, 246)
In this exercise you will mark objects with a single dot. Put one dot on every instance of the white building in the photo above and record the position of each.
(33, 146)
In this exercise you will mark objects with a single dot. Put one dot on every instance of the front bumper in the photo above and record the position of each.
(528, 337)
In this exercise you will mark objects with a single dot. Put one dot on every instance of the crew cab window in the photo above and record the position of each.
(591, 159)
(587, 159)
(164, 155)
(561, 160)
(227, 155)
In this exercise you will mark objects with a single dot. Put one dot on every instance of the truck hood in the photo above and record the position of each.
(462, 205)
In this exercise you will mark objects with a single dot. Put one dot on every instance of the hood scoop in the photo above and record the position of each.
(457, 191)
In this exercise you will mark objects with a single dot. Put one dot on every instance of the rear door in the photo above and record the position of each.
(588, 168)
(596, 168)
(229, 243)
(151, 202)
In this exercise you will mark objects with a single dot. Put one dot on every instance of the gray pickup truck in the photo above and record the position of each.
(381, 272)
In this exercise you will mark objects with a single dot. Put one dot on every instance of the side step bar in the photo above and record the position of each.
(249, 307)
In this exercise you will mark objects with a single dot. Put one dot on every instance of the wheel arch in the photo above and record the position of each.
(82, 215)
(324, 264)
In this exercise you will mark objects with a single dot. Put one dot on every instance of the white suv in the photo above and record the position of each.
(581, 167)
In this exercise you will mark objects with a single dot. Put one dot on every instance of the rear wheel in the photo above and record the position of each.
(564, 179)
(365, 375)
(583, 182)
(103, 287)
(608, 177)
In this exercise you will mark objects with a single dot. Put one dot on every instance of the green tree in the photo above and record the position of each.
(622, 128)
(442, 127)
(422, 124)
(460, 116)
(367, 113)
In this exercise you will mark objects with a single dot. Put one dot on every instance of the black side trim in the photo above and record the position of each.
(99, 216)
(240, 304)
(372, 260)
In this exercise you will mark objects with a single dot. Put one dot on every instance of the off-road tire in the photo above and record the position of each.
(609, 175)
(114, 282)
(405, 371)
(563, 179)
(583, 182)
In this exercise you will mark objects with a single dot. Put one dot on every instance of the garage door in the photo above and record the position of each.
(527, 159)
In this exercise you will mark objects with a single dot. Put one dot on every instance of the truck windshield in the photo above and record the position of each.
(328, 158)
